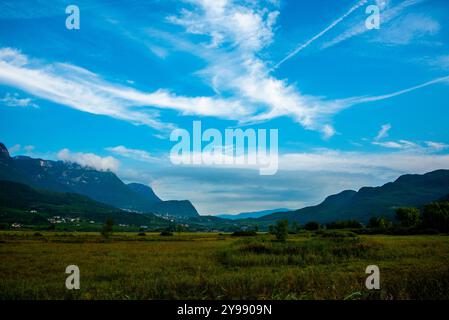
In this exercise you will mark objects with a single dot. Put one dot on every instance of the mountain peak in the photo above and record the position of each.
(3, 151)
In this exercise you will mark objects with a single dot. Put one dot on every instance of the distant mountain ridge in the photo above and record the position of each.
(253, 214)
(410, 190)
(17, 200)
(101, 186)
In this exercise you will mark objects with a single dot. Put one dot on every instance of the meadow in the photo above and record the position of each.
(219, 266)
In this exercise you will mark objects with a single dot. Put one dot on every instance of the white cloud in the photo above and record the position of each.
(427, 147)
(15, 148)
(402, 144)
(135, 154)
(383, 132)
(368, 163)
(246, 92)
(322, 33)
(388, 14)
(13, 100)
(83, 90)
(29, 148)
(89, 160)
(439, 62)
(358, 100)
(238, 33)
(408, 29)
(437, 146)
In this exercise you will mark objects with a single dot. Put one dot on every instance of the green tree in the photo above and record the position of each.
(107, 228)
(281, 230)
(436, 216)
(408, 217)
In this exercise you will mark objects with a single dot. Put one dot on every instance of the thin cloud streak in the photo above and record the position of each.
(320, 34)
(360, 28)
(359, 100)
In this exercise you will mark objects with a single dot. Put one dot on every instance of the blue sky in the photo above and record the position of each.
(353, 106)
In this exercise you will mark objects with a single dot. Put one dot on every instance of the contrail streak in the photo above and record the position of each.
(319, 35)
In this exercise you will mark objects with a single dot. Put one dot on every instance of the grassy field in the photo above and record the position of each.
(216, 266)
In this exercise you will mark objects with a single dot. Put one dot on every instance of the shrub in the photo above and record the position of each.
(379, 223)
(166, 233)
(141, 234)
(38, 234)
(281, 230)
(107, 228)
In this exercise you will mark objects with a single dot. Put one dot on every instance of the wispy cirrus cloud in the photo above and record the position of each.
(246, 92)
(81, 89)
(321, 33)
(426, 147)
(388, 14)
(411, 28)
(14, 100)
(134, 154)
(383, 132)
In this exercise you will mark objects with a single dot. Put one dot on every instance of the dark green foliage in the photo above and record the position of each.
(295, 227)
(312, 226)
(322, 250)
(379, 223)
(141, 234)
(107, 228)
(338, 234)
(436, 216)
(408, 217)
(166, 233)
(347, 224)
(17, 200)
(281, 230)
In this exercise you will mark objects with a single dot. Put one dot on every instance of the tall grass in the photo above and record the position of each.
(214, 266)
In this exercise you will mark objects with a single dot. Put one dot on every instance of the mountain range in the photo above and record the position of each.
(253, 214)
(410, 190)
(101, 186)
(23, 204)
(61, 187)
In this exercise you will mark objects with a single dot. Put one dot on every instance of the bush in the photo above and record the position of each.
(107, 228)
(142, 234)
(281, 230)
(408, 217)
(379, 223)
(312, 226)
(244, 233)
(166, 233)
(38, 234)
